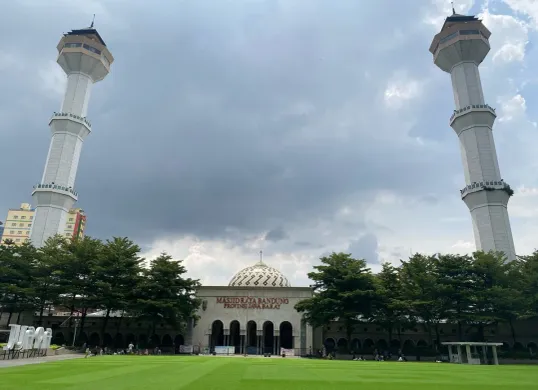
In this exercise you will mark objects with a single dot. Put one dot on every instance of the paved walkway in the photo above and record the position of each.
(23, 362)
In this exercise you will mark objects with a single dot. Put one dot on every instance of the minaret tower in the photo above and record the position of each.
(85, 59)
(458, 49)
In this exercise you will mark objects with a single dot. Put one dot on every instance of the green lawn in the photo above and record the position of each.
(207, 373)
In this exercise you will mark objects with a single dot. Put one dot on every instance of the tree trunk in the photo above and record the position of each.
(119, 323)
(512, 329)
(103, 327)
(349, 332)
(438, 337)
(82, 322)
(18, 317)
(390, 331)
(460, 331)
(9, 317)
(480, 329)
(41, 310)
(429, 326)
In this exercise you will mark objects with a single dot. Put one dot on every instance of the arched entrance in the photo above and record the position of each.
(155, 341)
(368, 346)
(342, 345)
(355, 345)
(95, 340)
(107, 340)
(408, 347)
(142, 341)
(268, 345)
(178, 341)
(235, 336)
(217, 334)
(167, 341)
(329, 344)
(131, 338)
(251, 338)
(118, 341)
(286, 335)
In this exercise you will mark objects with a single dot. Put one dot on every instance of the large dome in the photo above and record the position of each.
(259, 275)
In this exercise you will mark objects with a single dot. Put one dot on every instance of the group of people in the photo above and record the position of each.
(381, 356)
(130, 350)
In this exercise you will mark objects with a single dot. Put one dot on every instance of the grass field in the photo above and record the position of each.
(211, 373)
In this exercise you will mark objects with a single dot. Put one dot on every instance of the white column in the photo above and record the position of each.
(495, 359)
(466, 84)
(77, 94)
(468, 351)
(450, 353)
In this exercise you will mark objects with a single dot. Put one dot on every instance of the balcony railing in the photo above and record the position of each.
(69, 115)
(472, 107)
(53, 186)
(484, 185)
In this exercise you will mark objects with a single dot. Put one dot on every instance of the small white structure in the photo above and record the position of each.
(471, 356)
(86, 60)
(458, 49)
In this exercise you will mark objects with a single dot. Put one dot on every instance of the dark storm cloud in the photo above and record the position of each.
(223, 114)
(277, 234)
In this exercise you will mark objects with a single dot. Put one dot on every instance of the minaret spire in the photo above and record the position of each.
(453, 9)
(93, 21)
(261, 257)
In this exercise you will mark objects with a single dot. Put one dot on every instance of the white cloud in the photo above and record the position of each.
(7, 61)
(443, 8)
(509, 36)
(525, 7)
(513, 108)
(52, 78)
(464, 246)
(401, 89)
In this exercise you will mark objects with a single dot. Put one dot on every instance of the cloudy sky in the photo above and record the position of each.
(299, 127)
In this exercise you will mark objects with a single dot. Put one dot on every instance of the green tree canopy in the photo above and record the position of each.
(344, 289)
(166, 294)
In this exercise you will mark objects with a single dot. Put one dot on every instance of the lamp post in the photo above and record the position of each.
(75, 334)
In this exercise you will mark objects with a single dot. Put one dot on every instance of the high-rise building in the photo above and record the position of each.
(75, 224)
(85, 59)
(458, 49)
(18, 224)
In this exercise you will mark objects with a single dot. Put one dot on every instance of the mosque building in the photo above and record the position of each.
(254, 313)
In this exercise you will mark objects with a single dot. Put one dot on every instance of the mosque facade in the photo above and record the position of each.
(254, 314)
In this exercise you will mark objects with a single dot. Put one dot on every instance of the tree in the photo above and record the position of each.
(76, 266)
(455, 287)
(344, 289)
(45, 274)
(15, 274)
(390, 309)
(419, 286)
(117, 274)
(528, 282)
(496, 293)
(164, 293)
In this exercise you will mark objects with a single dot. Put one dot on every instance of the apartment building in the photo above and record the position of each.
(18, 224)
